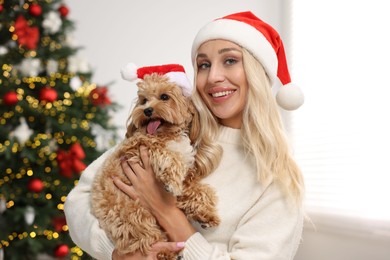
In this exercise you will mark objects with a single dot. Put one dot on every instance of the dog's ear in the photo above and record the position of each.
(195, 123)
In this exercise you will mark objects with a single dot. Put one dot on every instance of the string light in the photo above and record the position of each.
(48, 234)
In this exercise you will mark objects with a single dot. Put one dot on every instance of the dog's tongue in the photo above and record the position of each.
(152, 126)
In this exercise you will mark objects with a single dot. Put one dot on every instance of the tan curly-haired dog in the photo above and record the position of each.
(165, 121)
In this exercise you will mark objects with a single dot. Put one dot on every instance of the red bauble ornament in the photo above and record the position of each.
(10, 98)
(58, 223)
(61, 250)
(35, 185)
(48, 94)
(1, 8)
(35, 10)
(64, 11)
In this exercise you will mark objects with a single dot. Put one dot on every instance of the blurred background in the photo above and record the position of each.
(338, 52)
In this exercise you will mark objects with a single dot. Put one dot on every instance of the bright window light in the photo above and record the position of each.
(340, 56)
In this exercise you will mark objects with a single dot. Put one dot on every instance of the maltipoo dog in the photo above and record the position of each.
(166, 122)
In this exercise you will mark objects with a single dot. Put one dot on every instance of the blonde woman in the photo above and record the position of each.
(242, 143)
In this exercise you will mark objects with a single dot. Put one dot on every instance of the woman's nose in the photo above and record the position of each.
(216, 74)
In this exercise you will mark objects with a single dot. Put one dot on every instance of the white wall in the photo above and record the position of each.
(148, 32)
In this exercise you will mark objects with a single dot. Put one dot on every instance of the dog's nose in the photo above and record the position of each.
(148, 111)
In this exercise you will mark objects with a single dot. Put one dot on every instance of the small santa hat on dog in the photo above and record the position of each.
(174, 72)
(265, 44)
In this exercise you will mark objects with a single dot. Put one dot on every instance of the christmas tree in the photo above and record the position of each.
(51, 119)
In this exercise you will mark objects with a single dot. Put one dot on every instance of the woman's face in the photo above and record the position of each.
(221, 80)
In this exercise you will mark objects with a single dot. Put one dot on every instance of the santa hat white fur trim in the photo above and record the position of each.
(181, 79)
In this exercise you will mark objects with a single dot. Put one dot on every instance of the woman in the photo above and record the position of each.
(258, 184)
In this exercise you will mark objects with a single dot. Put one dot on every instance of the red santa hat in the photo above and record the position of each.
(174, 72)
(265, 44)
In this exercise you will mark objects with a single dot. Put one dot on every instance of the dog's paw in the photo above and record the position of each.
(211, 223)
(205, 225)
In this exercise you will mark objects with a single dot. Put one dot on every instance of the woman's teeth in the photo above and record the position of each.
(220, 94)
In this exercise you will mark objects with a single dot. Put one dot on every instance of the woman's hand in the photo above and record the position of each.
(145, 187)
(156, 248)
(152, 195)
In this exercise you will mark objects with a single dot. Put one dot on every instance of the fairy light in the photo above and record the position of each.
(30, 172)
(60, 206)
(48, 234)
(19, 109)
(10, 204)
(11, 29)
(89, 116)
(31, 54)
(14, 37)
(68, 102)
(31, 85)
(48, 105)
(76, 250)
(6, 70)
(52, 157)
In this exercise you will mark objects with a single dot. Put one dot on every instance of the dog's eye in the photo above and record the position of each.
(164, 97)
(143, 101)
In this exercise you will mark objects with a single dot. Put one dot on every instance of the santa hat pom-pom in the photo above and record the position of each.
(290, 97)
(129, 72)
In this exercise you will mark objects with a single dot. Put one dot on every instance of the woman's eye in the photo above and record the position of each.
(164, 97)
(204, 65)
(230, 61)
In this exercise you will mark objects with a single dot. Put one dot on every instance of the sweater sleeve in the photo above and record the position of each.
(84, 228)
(270, 230)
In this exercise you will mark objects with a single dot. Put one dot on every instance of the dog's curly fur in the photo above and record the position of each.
(130, 226)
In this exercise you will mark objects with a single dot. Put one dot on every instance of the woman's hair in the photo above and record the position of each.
(262, 132)
(208, 152)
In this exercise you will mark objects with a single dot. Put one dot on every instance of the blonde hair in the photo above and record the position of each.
(208, 152)
(262, 132)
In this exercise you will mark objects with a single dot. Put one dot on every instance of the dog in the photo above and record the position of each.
(167, 123)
